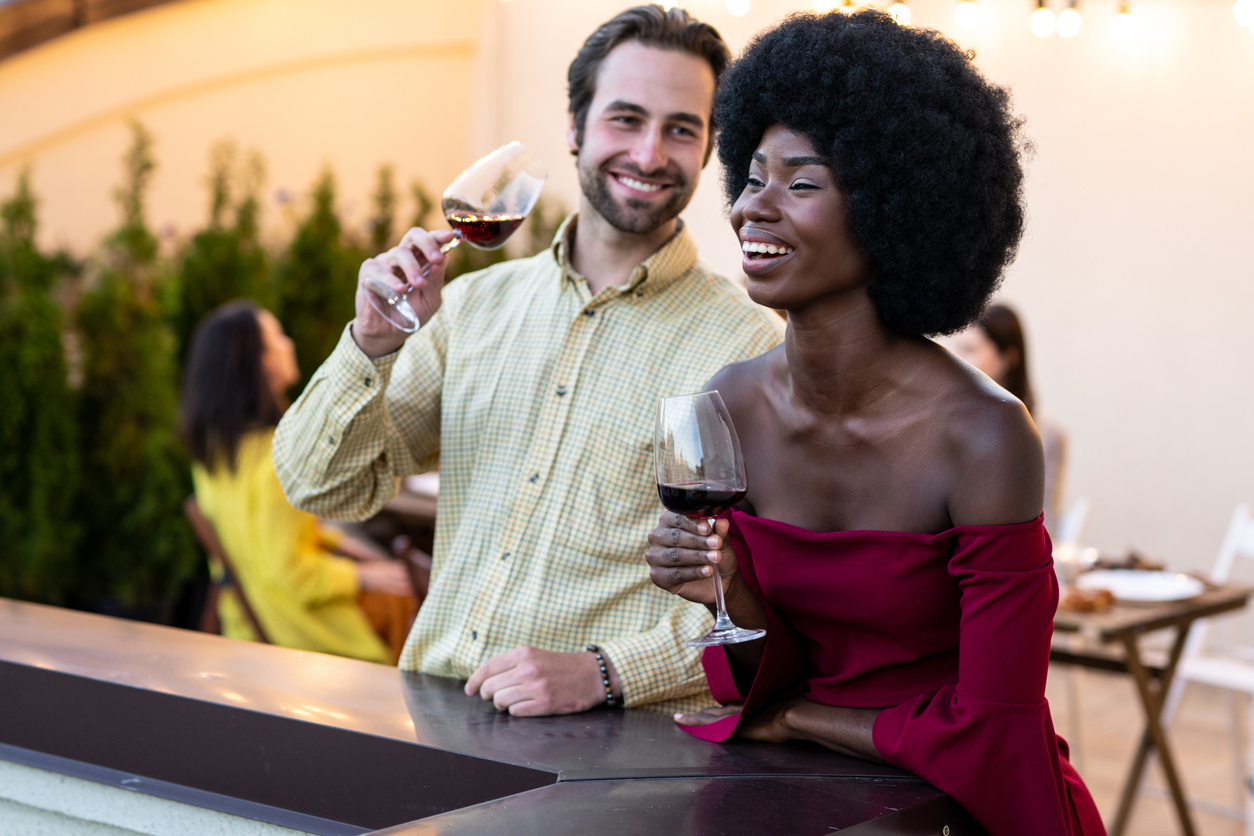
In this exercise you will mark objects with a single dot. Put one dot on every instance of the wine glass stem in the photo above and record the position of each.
(721, 621)
(457, 239)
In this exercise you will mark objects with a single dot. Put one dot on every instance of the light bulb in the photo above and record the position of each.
(900, 12)
(1042, 22)
(738, 8)
(1124, 26)
(1069, 22)
(967, 15)
(1243, 11)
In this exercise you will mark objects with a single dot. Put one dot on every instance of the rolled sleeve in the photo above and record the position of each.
(337, 452)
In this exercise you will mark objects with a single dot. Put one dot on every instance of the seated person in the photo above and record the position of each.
(995, 346)
(304, 596)
(890, 542)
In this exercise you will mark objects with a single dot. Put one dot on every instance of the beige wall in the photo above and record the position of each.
(1136, 278)
(307, 82)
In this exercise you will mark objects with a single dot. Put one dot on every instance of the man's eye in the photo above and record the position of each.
(688, 132)
(626, 120)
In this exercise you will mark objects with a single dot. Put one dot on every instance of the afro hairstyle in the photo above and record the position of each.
(924, 149)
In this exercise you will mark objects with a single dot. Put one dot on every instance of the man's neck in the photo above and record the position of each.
(607, 256)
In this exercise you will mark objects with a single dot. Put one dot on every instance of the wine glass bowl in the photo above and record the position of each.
(484, 205)
(700, 474)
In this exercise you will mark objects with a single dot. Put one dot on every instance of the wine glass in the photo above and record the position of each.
(700, 474)
(484, 205)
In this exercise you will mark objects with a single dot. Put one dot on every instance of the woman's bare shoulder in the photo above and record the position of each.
(744, 384)
(995, 449)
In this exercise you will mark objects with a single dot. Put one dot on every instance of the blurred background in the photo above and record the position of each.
(160, 158)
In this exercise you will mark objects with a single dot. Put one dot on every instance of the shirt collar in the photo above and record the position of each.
(657, 272)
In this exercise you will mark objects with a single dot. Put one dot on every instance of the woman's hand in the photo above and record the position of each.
(683, 553)
(682, 557)
(768, 725)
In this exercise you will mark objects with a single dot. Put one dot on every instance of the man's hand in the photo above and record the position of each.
(529, 682)
(401, 265)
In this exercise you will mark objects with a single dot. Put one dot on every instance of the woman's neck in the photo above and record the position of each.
(841, 356)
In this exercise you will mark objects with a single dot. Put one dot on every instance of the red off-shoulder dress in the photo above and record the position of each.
(948, 633)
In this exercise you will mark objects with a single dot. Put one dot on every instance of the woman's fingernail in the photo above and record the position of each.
(712, 542)
(714, 556)
(706, 570)
(678, 717)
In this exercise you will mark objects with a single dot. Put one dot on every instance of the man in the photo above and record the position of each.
(532, 385)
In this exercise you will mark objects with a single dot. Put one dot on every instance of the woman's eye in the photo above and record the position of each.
(799, 186)
(753, 181)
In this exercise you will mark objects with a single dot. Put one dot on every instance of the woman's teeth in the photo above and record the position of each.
(765, 249)
(639, 185)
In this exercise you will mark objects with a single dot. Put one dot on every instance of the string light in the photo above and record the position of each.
(967, 14)
(1042, 20)
(900, 12)
(1243, 11)
(1069, 21)
(738, 8)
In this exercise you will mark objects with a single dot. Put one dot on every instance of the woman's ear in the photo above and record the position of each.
(1013, 357)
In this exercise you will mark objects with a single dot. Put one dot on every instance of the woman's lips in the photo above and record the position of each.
(762, 253)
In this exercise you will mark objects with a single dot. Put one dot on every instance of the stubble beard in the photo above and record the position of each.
(638, 217)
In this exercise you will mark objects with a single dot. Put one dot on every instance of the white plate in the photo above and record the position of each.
(1134, 585)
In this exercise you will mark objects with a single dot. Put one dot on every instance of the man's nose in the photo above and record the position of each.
(649, 153)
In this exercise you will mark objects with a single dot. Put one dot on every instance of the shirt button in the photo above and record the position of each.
(368, 381)
(639, 294)
(533, 478)
(561, 390)
(474, 635)
(589, 312)
(505, 556)
(330, 439)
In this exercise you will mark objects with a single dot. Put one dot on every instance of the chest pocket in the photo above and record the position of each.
(613, 501)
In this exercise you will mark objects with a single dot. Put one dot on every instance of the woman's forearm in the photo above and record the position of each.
(844, 730)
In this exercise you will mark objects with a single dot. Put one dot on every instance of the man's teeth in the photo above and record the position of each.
(638, 185)
(768, 249)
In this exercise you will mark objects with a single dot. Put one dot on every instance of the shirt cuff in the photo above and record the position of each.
(641, 662)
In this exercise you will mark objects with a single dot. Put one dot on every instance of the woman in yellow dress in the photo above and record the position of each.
(309, 586)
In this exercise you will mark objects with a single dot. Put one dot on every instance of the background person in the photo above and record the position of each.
(995, 345)
(534, 385)
(891, 540)
(303, 595)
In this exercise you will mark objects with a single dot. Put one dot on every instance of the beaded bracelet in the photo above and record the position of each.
(605, 674)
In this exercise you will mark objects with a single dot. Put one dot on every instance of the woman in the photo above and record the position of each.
(891, 541)
(305, 597)
(995, 345)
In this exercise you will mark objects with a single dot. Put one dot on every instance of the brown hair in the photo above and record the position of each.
(225, 392)
(651, 25)
(1002, 326)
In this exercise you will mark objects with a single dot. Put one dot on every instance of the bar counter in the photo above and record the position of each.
(332, 746)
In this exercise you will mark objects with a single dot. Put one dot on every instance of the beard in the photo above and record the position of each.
(638, 217)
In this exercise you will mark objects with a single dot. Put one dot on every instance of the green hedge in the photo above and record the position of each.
(92, 477)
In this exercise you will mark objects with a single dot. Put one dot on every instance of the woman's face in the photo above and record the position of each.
(791, 205)
(974, 346)
(278, 355)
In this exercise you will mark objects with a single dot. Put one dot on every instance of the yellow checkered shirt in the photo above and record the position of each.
(536, 400)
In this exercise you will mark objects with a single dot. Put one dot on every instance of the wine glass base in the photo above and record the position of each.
(726, 635)
(391, 305)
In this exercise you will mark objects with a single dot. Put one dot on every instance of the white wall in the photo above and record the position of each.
(1135, 278)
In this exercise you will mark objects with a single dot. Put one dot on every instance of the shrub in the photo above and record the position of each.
(138, 550)
(39, 457)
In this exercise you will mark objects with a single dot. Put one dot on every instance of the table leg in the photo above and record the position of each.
(1153, 737)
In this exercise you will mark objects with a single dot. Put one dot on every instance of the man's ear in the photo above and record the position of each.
(572, 135)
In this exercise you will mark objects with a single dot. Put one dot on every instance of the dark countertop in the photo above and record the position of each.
(337, 746)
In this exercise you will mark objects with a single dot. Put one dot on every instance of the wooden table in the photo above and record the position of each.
(1122, 626)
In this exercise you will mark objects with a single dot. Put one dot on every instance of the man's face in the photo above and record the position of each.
(645, 135)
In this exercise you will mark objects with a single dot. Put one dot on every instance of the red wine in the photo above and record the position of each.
(698, 499)
(484, 231)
